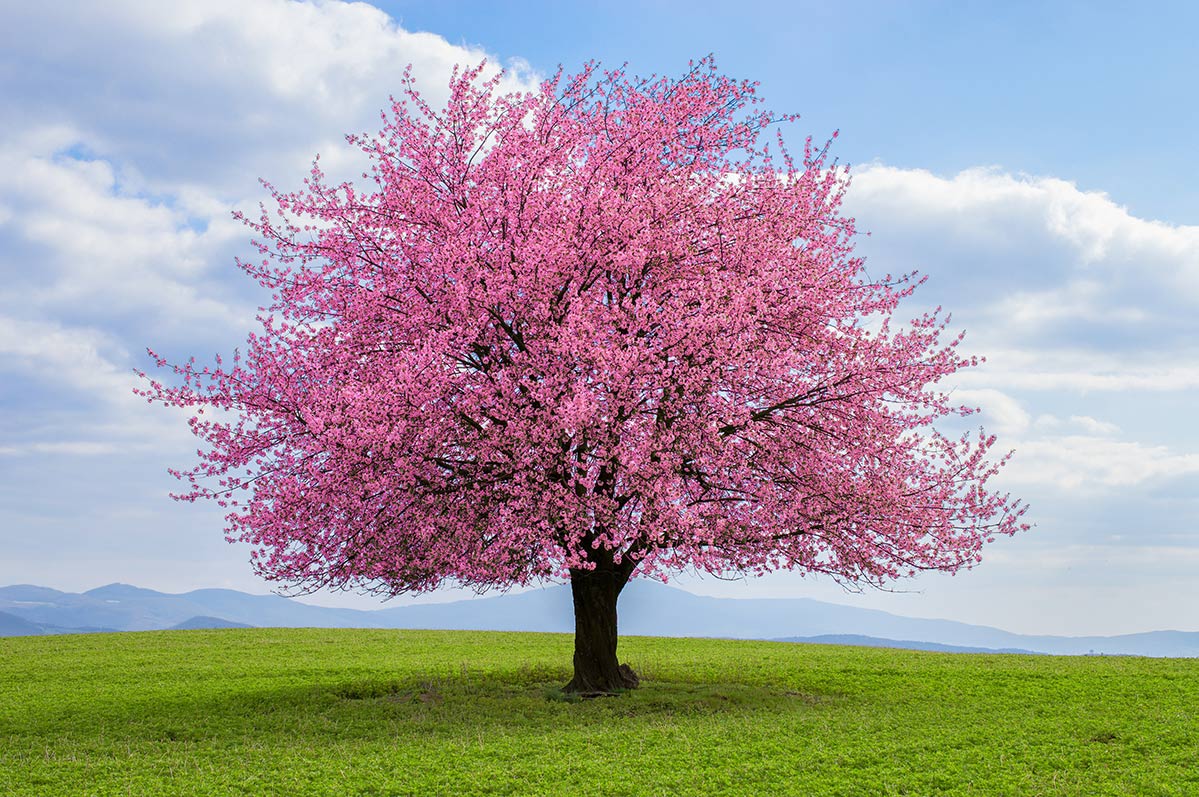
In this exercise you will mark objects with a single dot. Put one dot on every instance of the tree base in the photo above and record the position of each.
(608, 685)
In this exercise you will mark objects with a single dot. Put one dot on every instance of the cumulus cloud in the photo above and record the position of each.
(1001, 413)
(1091, 462)
(216, 92)
(1045, 366)
(1034, 260)
(129, 133)
(1094, 426)
(76, 395)
(1083, 422)
(73, 357)
(1078, 453)
(102, 252)
(1069, 297)
(133, 129)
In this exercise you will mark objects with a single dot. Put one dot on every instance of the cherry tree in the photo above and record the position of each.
(602, 329)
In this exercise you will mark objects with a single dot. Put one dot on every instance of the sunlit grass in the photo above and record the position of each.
(297, 712)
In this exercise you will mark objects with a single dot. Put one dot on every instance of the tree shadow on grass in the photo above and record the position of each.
(324, 704)
(528, 701)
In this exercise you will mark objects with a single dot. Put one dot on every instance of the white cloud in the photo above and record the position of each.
(1086, 462)
(73, 357)
(987, 199)
(1067, 295)
(1001, 413)
(129, 132)
(1033, 256)
(68, 447)
(1079, 555)
(76, 399)
(133, 129)
(104, 252)
(1093, 426)
(1077, 300)
(217, 92)
(1049, 368)
(1086, 423)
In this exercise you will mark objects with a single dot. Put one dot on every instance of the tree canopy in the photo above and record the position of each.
(612, 325)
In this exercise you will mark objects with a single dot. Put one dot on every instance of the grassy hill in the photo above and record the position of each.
(285, 711)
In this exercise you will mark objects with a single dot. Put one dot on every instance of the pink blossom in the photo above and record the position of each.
(602, 326)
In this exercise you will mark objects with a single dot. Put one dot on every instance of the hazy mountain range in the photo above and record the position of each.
(646, 608)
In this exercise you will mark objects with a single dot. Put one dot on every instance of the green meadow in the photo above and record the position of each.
(302, 712)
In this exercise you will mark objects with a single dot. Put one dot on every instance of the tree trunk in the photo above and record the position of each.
(597, 671)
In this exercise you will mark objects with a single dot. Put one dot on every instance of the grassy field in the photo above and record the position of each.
(299, 712)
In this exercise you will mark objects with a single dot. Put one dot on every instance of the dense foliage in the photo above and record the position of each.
(585, 331)
(597, 325)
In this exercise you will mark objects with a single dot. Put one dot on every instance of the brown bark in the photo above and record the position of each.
(596, 668)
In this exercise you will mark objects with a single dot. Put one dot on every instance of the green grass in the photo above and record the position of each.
(299, 712)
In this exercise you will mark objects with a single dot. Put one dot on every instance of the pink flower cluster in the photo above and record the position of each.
(605, 325)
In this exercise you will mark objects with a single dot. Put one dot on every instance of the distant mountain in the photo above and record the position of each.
(277, 611)
(194, 623)
(126, 608)
(858, 640)
(646, 608)
(115, 606)
(11, 625)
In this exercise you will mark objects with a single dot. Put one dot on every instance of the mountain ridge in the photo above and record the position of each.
(646, 609)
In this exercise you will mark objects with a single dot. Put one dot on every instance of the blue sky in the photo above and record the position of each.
(1037, 161)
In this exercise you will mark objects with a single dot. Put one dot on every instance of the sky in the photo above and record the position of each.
(1035, 160)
